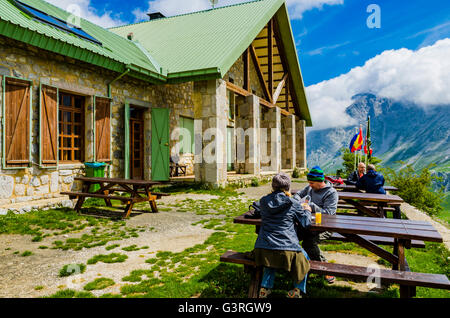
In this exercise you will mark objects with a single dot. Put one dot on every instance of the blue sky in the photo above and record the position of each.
(335, 38)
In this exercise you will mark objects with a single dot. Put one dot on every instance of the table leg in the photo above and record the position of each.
(255, 280)
(85, 189)
(128, 209)
(397, 212)
(151, 199)
(405, 291)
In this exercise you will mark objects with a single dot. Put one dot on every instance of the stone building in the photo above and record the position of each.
(218, 90)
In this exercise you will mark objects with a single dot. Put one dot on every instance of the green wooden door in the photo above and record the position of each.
(160, 144)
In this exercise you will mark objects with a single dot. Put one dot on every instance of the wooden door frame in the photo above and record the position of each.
(142, 139)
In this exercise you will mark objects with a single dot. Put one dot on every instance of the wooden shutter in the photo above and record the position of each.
(102, 129)
(17, 123)
(49, 126)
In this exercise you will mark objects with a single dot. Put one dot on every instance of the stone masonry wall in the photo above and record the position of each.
(23, 61)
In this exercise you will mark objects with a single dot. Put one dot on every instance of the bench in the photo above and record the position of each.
(74, 195)
(378, 240)
(356, 273)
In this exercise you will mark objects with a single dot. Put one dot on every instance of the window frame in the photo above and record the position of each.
(192, 146)
(82, 123)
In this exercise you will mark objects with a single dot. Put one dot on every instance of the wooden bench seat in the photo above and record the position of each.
(356, 273)
(351, 207)
(74, 195)
(378, 240)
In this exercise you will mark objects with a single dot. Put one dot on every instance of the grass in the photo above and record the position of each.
(72, 269)
(99, 283)
(26, 253)
(197, 271)
(110, 258)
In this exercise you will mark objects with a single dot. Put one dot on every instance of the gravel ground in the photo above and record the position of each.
(20, 275)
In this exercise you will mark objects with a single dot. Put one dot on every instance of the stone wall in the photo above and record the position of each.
(23, 61)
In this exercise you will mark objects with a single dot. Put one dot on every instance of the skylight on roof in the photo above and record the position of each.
(55, 22)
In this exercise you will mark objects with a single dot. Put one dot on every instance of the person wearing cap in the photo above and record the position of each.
(277, 246)
(324, 199)
(354, 177)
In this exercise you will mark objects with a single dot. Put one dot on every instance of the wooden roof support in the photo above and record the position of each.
(279, 88)
(281, 50)
(260, 74)
(240, 91)
(247, 69)
(270, 56)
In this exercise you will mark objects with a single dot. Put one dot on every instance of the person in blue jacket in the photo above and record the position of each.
(277, 246)
(372, 181)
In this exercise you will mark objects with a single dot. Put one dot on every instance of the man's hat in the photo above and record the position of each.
(315, 174)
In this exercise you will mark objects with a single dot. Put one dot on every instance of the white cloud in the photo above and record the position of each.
(421, 77)
(298, 7)
(174, 7)
(84, 9)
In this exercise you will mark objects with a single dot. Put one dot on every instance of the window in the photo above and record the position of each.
(55, 22)
(71, 128)
(187, 135)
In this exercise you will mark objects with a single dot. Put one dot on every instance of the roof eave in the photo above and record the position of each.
(42, 41)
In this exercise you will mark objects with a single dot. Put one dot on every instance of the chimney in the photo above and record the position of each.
(156, 15)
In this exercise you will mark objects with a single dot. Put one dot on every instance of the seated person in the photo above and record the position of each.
(372, 181)
(277, 246)
(357, 174)
(324, 199)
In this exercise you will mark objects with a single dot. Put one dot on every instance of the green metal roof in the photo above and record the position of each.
(211, 39)
(115, 53)
(207, 43)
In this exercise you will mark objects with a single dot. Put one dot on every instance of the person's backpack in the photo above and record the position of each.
(254, 211)
(334, 180)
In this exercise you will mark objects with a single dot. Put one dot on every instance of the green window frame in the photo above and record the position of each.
(186, 145)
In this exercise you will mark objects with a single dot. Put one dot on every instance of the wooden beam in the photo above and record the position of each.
(270, 56)
(286, 91)
(238, 90)
(279, 88)
(282, 52)
(247, 69)
(260, 74)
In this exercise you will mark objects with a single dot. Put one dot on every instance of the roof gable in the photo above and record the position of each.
(210, 39)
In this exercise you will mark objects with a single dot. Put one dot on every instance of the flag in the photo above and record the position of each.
(368, 144)
(357, 141)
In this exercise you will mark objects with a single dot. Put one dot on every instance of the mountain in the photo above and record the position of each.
(399, 131)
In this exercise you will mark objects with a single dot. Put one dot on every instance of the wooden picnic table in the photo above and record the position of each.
(353, 188)
(372, 204)
(138, 190)
(355, 228)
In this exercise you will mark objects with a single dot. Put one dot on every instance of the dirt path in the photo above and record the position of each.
(172, 231)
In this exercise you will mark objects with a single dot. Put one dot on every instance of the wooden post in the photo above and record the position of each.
(247, 69)
(270, 56)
